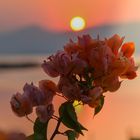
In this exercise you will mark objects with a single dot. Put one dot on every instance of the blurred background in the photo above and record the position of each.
(30, 30)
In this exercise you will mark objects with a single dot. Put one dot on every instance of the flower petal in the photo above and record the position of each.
(128, 49)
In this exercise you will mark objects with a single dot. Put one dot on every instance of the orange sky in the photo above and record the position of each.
(56, 14)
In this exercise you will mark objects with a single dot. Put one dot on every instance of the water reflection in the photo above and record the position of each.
(121, 110)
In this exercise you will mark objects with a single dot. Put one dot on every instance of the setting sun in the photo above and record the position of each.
(77, 23)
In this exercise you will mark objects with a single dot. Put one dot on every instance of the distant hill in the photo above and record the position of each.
(34, 40)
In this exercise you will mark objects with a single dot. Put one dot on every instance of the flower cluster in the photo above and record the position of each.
(39, 97)
(86, 69)
(90, 67)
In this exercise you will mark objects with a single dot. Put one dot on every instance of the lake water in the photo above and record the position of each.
(119, 119)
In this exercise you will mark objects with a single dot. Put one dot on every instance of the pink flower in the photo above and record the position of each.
(21, 105)
(62, 61)
(85, 99)
(78, 65)
(32, 96)
(50, 68)
(128, 49)
(82, 47)
(49, 89)
(95, 95)
(85, 40)
(124, 63)
(130, 70)
(100, 58)
(45, 112)
(87, 68)
(58, 64)
(35, 95)
(46, 85)
(69, 88)
(71, 47)
(115, 43)
(42, 95)
(124, 67)
(111, 83)
(92, 97)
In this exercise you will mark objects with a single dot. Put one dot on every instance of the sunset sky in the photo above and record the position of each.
(120, 116)
(56, 14)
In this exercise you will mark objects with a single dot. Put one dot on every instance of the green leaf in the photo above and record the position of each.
(40, 130)
(71, 134)
(71, 111)
(69, 118)
(82, 127)
(100, 106)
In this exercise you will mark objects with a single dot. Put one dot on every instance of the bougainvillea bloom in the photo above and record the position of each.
(99, 64)
(69, 88)
(128, 49)
(36, 96)
(45, 112)
(115, 43)
(110, 60)
(49, 89)
(85, 69)
(21, 104)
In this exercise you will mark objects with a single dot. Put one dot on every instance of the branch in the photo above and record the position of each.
(56, 129)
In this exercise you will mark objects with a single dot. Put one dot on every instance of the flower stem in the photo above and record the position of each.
(29, 119)
(56, 129)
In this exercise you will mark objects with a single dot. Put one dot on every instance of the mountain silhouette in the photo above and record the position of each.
(35, 40)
